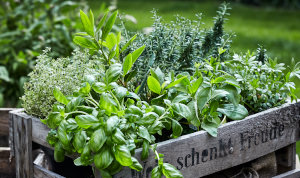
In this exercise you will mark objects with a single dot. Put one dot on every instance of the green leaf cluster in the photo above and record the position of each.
(264, 82)
(177, 45)
(27, 27)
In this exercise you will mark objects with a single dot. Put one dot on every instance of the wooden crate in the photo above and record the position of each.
(195, 155)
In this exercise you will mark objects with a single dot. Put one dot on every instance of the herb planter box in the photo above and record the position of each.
(195, 155)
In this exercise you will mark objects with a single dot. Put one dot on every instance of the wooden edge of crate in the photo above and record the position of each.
(40, 172)
(4, 120)
(290, 174)
(199, 154)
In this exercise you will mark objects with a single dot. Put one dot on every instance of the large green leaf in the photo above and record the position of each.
(111, 124)
(172, 84)
(87, 24)
(79, 141)
(113, 73)
(203, 96)
(86, 121)
(85, 42)
(108, 104)
(170, 171)
(233, 112)
(136, 54)
(109, 24)
(135, 164)
(122, 155)
(182, 110)
(100, 24)
(156, 173)
(153, 85)
(53, 120)
(127, 64)
(97, 140)
(176, 127)
(60, 97)
(103, 159)
(143, 132)
(211, 128)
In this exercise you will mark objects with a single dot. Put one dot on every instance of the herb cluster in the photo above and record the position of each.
(178, 45)
(264, 82)
(67, 74)
(104, 118)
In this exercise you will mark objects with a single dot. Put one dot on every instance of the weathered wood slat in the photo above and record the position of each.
(40, 172)
(23, 146)
(4, 120)
(199, 154)
(6, 166)
(290, 174)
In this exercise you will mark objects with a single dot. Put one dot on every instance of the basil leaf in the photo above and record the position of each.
(113, 73)
(145, 151)
(97, 140)
(59, 152)
(122, 155)
(176, 127)
(85, 42)
(100, 24)
(53, 120)
(79, 141)
(203, 96)
(103, 159)
(99, 87)
(156, 172)
(170, 171)
(111, 124)
(210, 127)
(233, 112)
(86, 121)
(114, 167)
(60, 97)
(118, 137)
(72, 105)
(143, 132)
(63, 136)
(85, 89)
(182, 110)
(135, 164)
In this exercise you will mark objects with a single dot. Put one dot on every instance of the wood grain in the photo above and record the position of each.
(290, 174)
(23, 146)
(40, 172)
(4, 121)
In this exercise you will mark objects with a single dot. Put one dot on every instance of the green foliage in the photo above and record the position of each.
(59, 76)
(264, 83)
(27, 27)
(178, 45)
